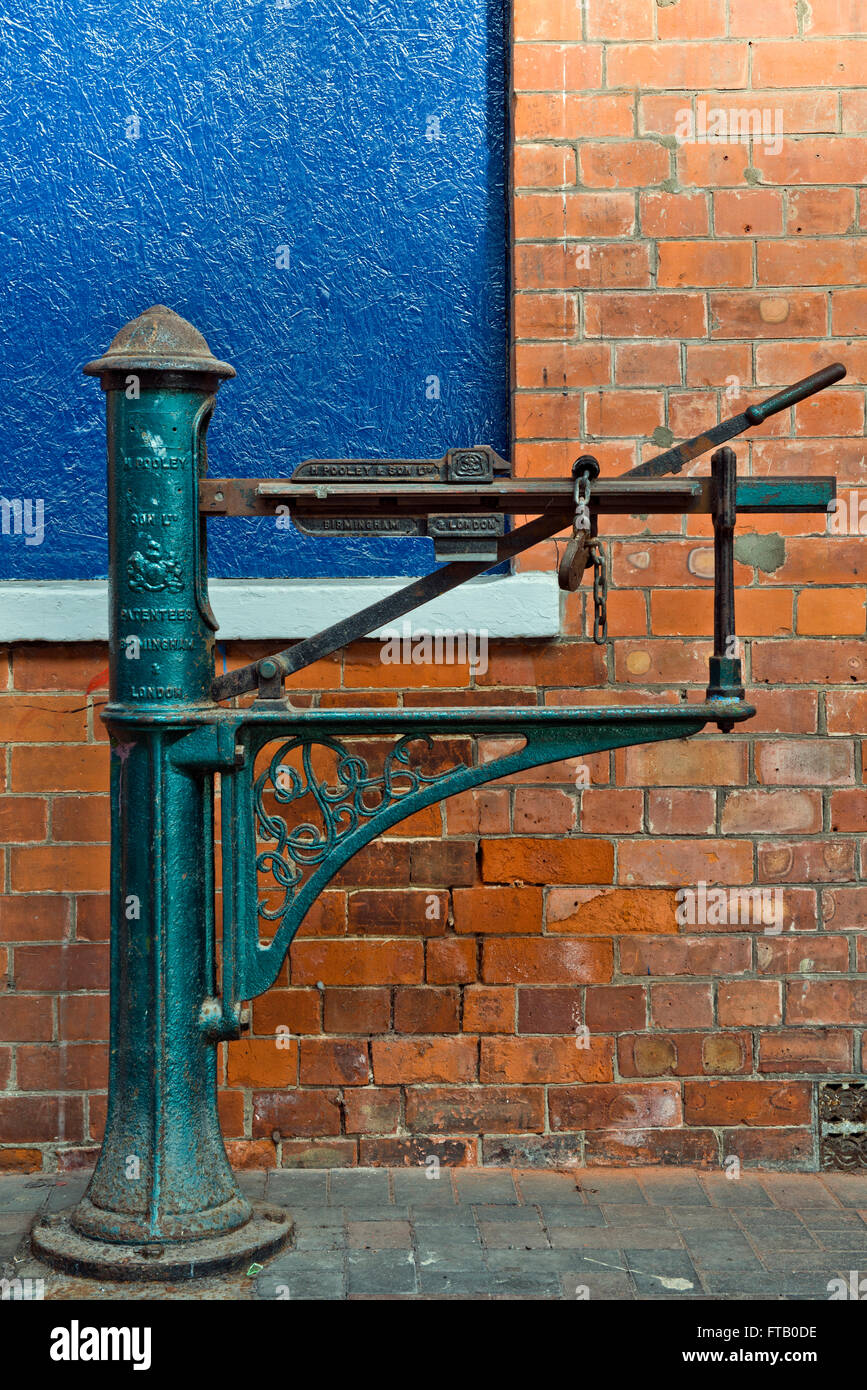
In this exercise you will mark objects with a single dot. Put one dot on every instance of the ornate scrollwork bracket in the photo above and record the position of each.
(345, 806)
(351, 805)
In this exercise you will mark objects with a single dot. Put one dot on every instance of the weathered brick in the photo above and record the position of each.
(514, 911)
(847, 712)
(84, 1017)
(60, 968)
(369, 1110)
(318, 1153)
(684, 1054)
(547, 861)
(771, 812)
(800, 662)
(82, 819)
(808, 1050)
(624, 1106)
(20, 1160)
(543, 1060)
(763, 1147)
(475, 1110)
(334, 1062)
(802, 954)
(357, 1010)
(686, 763)
(686, 861)
(684, 955)
(613, 912)
(69, 1067)
(675, 66)
(672, 214)
(295, 1112)
(357, 962)
(681, 1005)
(835, 62)
(542, 1010)
(295, 1009)
(37, 917)
(692, 1147)
(261, 1062)
(45, 719)
(527, 961)
(746, 1102)
(489, 1009)
(443, 862)
(23, 819)
(749, 1003)
(60, 666)
(60, 868)
(639, 315)
(451, 962)
(849, 810)
(751, 314)
(807, 861)
(681, 812)
(399, 912)
(414, 1152)
(543, 811)
(39, 1119)
(826, 1001)
(426, 1010)
(405, 1061)
(613, 1008)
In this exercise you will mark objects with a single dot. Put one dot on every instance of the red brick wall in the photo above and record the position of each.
(658, 285)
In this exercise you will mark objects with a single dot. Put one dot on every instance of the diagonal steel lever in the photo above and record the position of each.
(269, 673)
(673, 460)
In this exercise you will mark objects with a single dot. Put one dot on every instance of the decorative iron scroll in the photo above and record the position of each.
(357, 797)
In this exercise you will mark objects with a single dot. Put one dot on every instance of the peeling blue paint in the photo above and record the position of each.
(165, 154)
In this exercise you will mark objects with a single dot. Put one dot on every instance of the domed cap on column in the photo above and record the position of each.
(159, 340)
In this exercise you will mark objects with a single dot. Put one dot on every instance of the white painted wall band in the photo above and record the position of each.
(73, 610)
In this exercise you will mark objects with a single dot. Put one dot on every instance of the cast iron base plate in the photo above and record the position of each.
(55, 1241)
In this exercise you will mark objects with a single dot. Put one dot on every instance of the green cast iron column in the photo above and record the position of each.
(163, 1202)
(163, 1173)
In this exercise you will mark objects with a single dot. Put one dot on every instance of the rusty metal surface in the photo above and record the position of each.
(56, 1240)
(476, 465)
(843, 1125)
(158, 340)
(533, 496)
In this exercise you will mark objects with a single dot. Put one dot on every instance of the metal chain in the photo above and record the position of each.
(600, 594)
(581, 496)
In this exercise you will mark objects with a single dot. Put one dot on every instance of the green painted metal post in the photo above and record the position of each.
(162, 1179)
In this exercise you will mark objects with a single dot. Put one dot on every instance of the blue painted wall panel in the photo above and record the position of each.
(164, 152)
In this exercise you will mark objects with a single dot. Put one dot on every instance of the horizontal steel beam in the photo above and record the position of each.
(511, 496)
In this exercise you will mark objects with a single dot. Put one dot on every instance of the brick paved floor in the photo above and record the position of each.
(648, 1233)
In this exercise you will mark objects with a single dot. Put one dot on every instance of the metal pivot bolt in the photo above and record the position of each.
(726, 678)
(270, 679)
